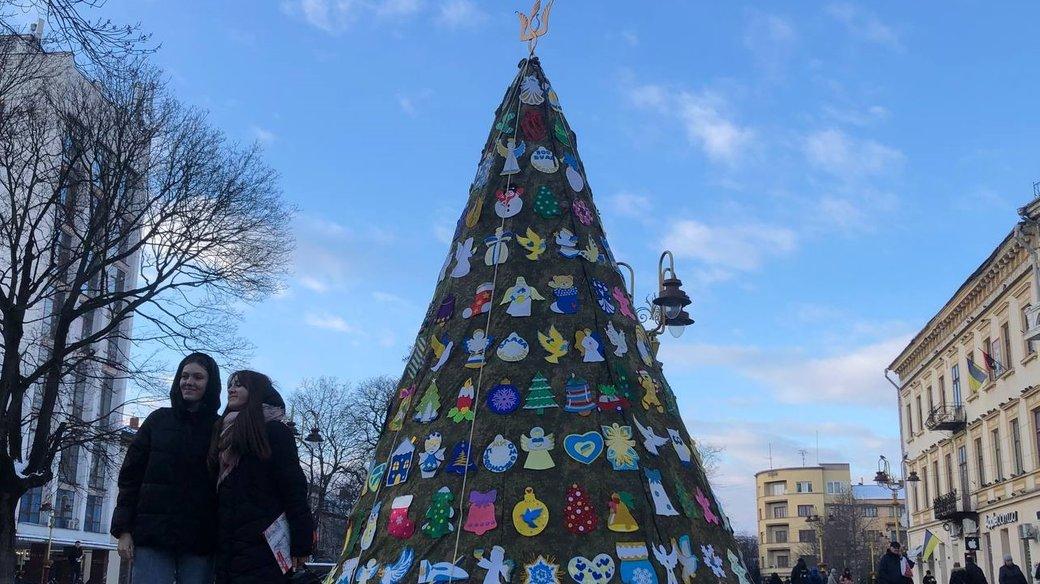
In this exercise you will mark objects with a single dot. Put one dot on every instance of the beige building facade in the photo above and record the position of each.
(975, 445)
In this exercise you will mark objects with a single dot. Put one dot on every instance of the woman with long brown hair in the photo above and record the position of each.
(253, 454)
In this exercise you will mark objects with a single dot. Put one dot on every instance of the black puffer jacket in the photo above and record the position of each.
(167, 495)
(250, 498)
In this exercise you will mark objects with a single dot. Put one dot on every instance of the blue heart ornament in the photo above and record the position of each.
(585, 448)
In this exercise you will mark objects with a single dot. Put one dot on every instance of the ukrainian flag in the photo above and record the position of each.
(976, 376)
(930, 543)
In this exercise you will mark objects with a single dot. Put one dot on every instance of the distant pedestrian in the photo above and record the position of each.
(1010, 573)
(846, 577)
(774, 579)
(959, 575)
(928, 578)
(814, 576)
(974, 572)
(800, 573)
(832, 576)
(889, 567)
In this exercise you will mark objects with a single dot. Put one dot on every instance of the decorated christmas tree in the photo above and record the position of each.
(530, 220)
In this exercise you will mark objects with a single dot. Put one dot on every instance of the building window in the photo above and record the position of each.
(955, 380)
(806, 536)
(942, 391)
(962, 465)
(949, 474)
(870, 511)
(779, 536)
(779, 511)
(804, 486)
(1005, 337)
(775, 489)
(1016, 447)
(909, 422)
(931, 401)
(927, 491)
(806, 510)
(935, 475)
(1036, 429)
(66, 502)
(29, 506)
(998, 461)
(920, 420)
(92, 519)
(782, 562)
(838, 487)
(980, 461)
(1030, 346)
(68, 466)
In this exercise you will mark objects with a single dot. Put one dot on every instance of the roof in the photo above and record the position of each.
(822, 466)
(875, 492)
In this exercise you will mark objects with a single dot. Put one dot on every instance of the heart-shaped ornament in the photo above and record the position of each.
(598, 570)
(584, 448)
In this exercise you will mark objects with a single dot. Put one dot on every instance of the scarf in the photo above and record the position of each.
(228, 456)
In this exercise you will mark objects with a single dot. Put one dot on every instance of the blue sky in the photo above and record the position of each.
(826, 173)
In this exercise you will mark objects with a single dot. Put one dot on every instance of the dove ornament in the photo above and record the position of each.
(617, 338)
(532, 243)
(530, 516)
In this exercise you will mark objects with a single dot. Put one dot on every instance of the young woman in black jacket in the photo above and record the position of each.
(165, 515)
(254, 456)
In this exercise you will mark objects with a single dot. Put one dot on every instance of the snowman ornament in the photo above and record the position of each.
(508, 202)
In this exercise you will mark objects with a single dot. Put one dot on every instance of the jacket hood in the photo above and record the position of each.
(211, 399)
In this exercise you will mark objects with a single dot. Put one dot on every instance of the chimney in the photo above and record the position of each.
(36, 29)
(135, 422)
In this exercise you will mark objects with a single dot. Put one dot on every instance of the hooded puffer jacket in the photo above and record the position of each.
(167, 495)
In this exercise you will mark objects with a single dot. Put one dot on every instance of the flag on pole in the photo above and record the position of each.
(995, 367)
(930, 543)
(976, 376)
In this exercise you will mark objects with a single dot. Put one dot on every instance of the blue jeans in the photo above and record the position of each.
(155, 566)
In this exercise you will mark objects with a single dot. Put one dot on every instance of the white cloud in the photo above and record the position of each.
(333, 16)
(396, 8)
(460, 14)
(262, 135)
(630, 38)
(409, 103)
(857, 117)
(836, 152)
(330, 255)
(633, 205)
(327, 321)
(864, 25)
(728, 248)
(770, 39)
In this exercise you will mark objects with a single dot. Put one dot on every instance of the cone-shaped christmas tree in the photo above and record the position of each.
(546, 317)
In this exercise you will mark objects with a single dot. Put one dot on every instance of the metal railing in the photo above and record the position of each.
(951, 418)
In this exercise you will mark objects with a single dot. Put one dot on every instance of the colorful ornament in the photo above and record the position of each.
(441, 572)
(483, 172)
(481, 300)
(399, 524)
(554, 100)
(497, 248)
(511, 151)
(609, 400)
(415, 362)
(582, 212)
(579, 397)
(686, 502)
(531, 91)
(476, 206)
(445, 311)
(617, 338)
(643, 346)
(375, 475)
(429, 404)
(712, 560)
(565, 293)
(438, 516)
(405, 400)
(635, 563)
(368, 571)
(369, 533)
(668, 560)
(530, 516)
(533, 243)
(541, 571)
(591, 252)
(624, 387)
(579, 517)
(461, 461)
(442, 347)
(533, 125)
(584, 448)
(504, 398)
(519, 297)
(463, 409)
(602, 293)
(481, 516)
(561, 133)
(394, 573)
(545, 203)
(620, 518)
(346, 575)
(624, 304)
(651, 441)
(500, 455)
(705, 504)
(537, 447)
(539, 396)
(554, 344)
(432, 456)
(574, 177)
(662, 505)
(687, 559)
(477, 346)
(598, 570)
(543, 159)
(499, 569)
(650, 387)
(589, 345)
(508, 201)
(568, 243)
(681, 449)
(621, 452)
(505, 123)
(400, 462)
(737, 567)
(463, 253)
(513, 348)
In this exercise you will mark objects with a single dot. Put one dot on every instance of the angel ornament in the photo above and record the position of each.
(537, 447)
(497, 250)
(519, 297)
(511, 151)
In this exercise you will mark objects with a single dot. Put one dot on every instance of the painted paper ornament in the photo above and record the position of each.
(686, 502)
(463, 253)
(404, 402)
(532, 243)
(369, 533)
(598, 570)
(531, 91)
(473, 213)
(533, 125)
(579, 397)
(651, 441)
(418, 358)
(438, 516)
(574, 177)
(511, 151)
(483, 171)
(624, 303)
(445, 311)
(394, 573)
(530, 516)
(617, 338)
(561, 133)
(513, 348)
(579, 517)
(432, 456)
(539, 395)
(349, 569)
(568, 243)
(621, 378)
(481, 516)
(399, 524)
(499, 569)
(737, 567)
(497, 247)
(602, 294)
(544, 160)
(503, 398)
(477, 347)
(725, 518)
(554, 344)
(500, 455)
(554, 100)
(591, 252)
(681, 449)
(620, 518)
(650, 389)
(635, 565)
(705, 504)
(621, 451)
(429, 404)
(440, 573)
(505, 123)
(508, 201)
(442, 346)
(481, 300)
(400, 462)
(545, 203)
(669, 560)
(687, 559)
(375, 476)
(565, 293)
(589, 345)
(367, 572)
(537, 447)
(460, 461)
(712, 560)
(582, 212)
(541, 571)
(609, 400)
(584, 448)
(463, 409)
(662, 505)
(519, 297)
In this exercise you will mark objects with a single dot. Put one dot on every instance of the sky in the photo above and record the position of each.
(827, 174)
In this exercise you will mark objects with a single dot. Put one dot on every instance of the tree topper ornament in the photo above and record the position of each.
(533, 25)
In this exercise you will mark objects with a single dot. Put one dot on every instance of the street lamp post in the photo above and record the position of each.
(822, 522)
(47, 508)
(884, 478)
(668, 309)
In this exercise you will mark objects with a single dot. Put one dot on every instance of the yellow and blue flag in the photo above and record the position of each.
(976, 376)
(930, 543)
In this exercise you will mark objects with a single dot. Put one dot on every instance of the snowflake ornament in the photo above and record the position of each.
(712, 560)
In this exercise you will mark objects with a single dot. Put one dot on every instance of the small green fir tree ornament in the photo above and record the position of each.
(539, 396)
(624, 388)
(545, 203)
(429, 404)
(438, 516)
(689, 506)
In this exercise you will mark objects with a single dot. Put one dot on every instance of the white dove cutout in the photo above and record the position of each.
(668, 560)
(497, 566)
(651, 441)
(617, 338)
(366, 572)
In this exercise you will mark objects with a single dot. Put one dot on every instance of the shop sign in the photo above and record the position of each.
(998, 519)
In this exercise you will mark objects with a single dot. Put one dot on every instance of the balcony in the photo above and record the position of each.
(953, 507)
(947, 418)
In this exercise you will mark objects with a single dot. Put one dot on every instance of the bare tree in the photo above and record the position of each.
(747, 544)
(118, 204)
(348, 418)
(847, 537)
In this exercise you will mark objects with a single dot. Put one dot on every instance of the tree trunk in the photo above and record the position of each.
(8, 501)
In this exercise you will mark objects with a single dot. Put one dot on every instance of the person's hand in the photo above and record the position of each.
(299, 562)
(126, 546)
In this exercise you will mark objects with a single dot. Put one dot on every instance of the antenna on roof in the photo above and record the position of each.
(803, 452)
(770, 456)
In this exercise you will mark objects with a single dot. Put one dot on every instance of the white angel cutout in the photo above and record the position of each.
(617, 338)
(463, 252)
(497, 566)
(511, 151)
(668, 560)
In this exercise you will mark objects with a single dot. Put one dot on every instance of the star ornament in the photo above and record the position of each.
(541, 571)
